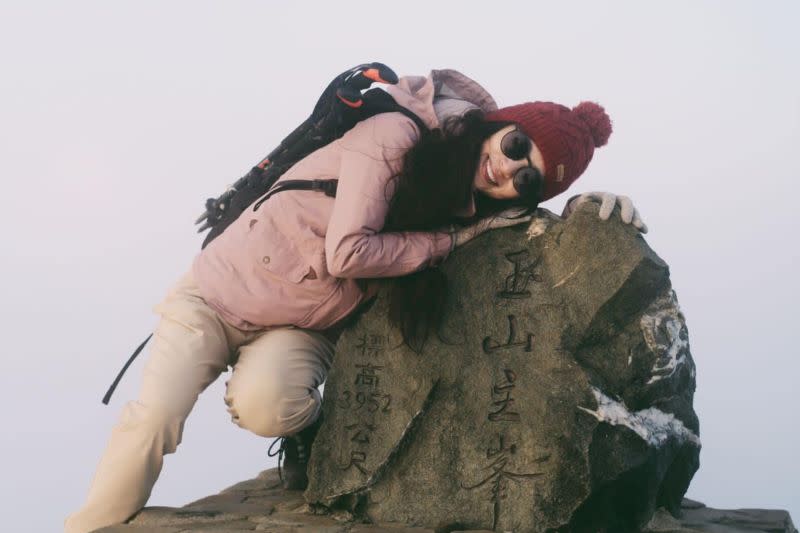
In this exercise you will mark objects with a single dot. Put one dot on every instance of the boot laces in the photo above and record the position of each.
(281, 452)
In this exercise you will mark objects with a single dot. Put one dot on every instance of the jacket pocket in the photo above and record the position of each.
(275, 252)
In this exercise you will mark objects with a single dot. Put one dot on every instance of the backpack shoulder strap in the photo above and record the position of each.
(326, 186)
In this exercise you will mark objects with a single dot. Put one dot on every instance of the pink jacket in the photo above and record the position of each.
(302, 257)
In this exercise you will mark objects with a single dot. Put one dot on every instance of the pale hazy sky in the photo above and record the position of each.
(118, 119)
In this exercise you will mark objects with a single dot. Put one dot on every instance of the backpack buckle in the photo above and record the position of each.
(326, 186)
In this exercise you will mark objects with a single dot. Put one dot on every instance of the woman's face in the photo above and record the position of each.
(494, 176)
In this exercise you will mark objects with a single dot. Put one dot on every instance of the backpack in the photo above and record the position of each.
(340, 107)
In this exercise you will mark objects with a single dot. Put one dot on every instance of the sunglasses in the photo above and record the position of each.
(528, 181)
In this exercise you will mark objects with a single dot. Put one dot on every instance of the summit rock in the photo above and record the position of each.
(557, 395)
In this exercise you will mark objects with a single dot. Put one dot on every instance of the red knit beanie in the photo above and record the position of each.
(567, 139)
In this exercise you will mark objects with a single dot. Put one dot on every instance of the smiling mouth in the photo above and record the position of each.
(489, 174)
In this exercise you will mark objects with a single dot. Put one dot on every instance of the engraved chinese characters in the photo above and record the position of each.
(502, 402)
(499, 453)
(364, 401)
(516, 284)
(501, 447)
(490, 345)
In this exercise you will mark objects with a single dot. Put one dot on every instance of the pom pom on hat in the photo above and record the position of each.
(595, 117)
(566, 138)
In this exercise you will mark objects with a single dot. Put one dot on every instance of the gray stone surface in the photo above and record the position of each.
(126, 528)
(559, 393)
(697, 518)
(168, 516)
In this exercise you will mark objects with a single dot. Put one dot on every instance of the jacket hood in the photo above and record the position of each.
(442, 93)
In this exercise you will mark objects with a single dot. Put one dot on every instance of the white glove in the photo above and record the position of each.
(504, 219)
(608, 201)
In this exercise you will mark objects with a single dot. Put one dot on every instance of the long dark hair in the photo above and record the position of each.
(434, 183)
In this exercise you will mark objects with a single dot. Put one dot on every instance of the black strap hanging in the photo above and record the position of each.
(113, 386)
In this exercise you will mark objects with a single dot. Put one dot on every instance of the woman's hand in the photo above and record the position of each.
(608, 201)
(504, 219)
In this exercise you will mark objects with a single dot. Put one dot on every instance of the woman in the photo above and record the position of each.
(269, 295)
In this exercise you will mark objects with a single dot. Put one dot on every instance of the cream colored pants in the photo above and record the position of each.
(272, 392)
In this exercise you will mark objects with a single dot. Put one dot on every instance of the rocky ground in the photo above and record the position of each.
(260, 504)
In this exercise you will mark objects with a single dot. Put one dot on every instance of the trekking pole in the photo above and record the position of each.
(220, 204)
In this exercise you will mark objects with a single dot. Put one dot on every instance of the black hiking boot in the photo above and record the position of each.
(295, 452)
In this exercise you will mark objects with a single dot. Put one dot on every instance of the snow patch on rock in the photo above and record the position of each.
(653, 425)
(538, 227)
(665, 334)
